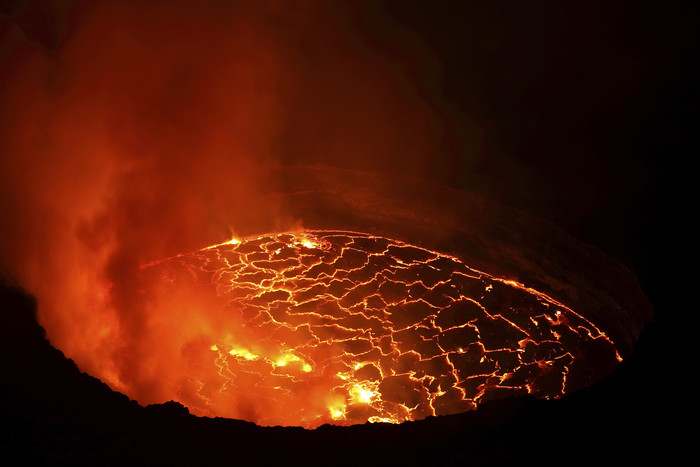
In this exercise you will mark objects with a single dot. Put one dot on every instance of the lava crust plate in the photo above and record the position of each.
(314, 327)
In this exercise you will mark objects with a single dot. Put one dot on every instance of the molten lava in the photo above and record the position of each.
(302, 329)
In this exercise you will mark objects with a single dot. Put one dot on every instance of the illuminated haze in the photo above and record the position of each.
(146, 131)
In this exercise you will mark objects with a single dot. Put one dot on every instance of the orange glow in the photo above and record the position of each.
(149, 132)
(344, 328)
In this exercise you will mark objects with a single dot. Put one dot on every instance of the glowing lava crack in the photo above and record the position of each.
(343, 328)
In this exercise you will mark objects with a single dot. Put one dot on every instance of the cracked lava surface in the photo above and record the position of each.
(302, 329)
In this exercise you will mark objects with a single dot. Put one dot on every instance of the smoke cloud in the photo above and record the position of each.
(133, 131)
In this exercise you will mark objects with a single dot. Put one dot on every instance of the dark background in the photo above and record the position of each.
(585, 113)
(588, 112)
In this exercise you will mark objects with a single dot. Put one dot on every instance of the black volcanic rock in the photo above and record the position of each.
(53, 414)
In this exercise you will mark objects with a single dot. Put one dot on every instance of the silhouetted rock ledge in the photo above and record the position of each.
(53, 414)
